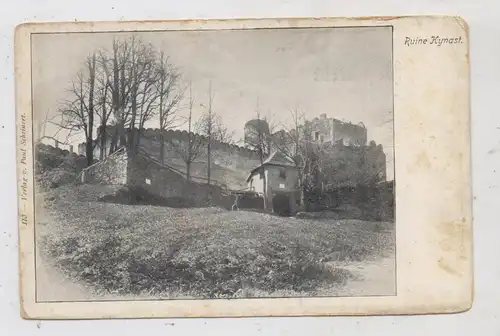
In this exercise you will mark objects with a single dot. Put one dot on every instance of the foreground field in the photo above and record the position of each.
(147, 251)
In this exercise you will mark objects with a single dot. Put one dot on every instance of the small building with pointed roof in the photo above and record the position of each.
(277, 178)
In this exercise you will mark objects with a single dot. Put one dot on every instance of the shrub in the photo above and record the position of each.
(55, 167)
(55, 177)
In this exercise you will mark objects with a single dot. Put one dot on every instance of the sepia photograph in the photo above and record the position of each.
(214, 164)
(207, 162)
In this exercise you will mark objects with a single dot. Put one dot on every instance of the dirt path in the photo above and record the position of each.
(370, 277)
(53, 285)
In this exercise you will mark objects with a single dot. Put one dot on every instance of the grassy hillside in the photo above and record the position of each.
(208, 252)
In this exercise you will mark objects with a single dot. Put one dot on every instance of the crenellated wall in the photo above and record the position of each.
(228, 154)
(231, 164)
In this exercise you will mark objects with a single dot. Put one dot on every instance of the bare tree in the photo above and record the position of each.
(120, 90)
(258, 139)
(205, 126)
(142, 74)
(119, 86)
(220, 133)
(189, 151)
(104, 109)
(211, 123)
(169, 96)
(42, 127)
(129, 72)
(294, 142)
(77, 113)
(137, 84)
(213, 129)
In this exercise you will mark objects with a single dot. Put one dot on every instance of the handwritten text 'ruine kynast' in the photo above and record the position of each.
(432, 40)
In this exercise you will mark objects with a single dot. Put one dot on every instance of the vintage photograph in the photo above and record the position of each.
(215, 164)
(243, 168)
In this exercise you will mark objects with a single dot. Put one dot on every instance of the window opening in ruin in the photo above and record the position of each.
(283, 174)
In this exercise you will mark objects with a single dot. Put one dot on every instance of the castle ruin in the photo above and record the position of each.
(348, 152)
(332, 130)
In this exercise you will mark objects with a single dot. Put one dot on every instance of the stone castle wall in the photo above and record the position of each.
(111, 171)
(333, 130)
(227, 155)
(231, 164)
(140, 172)
(162, 181)
(352, 165)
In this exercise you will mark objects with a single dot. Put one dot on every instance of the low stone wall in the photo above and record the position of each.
(112, 170)
(140, 172)
(160, 180)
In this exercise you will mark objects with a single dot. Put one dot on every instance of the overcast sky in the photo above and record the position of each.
(343, 72)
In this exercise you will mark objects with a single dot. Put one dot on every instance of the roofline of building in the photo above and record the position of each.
(252, 172)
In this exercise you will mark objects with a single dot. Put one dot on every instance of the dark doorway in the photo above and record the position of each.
(281, 204)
